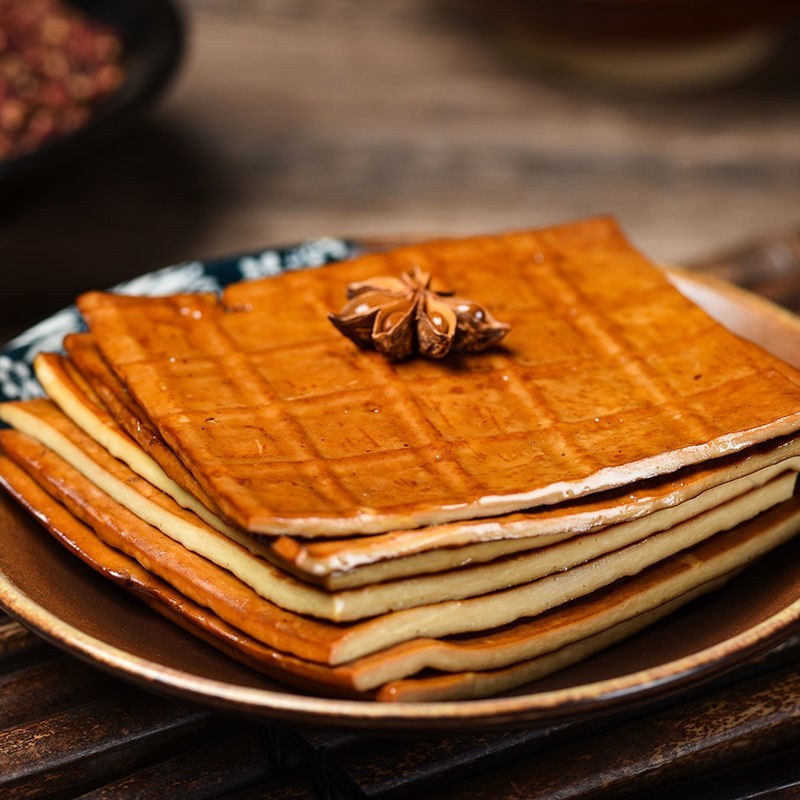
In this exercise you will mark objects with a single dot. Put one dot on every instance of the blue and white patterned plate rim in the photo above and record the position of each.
(17, 380)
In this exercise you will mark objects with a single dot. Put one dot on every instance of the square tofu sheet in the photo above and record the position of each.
(609, 376)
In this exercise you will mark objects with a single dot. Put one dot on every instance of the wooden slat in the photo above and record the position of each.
(396, 766)
(245, 761)
(40, 689)
(81, 746)
(235, 756)
(776, 777)
(755, 718)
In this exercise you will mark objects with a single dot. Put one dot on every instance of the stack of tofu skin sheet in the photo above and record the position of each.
(414, 529)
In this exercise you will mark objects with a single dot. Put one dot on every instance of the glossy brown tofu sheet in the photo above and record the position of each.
(608, 376)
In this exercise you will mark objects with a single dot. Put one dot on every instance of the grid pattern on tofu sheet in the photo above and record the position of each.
(609, 375)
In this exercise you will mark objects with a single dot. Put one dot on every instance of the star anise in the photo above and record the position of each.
(398, 316)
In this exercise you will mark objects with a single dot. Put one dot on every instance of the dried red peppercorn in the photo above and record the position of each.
(56, 64)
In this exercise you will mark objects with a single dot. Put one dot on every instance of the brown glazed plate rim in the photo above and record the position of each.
(555, 700)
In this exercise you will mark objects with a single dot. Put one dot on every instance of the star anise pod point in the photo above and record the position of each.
(398, 316)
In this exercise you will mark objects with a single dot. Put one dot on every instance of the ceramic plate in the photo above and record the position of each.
(58, 596)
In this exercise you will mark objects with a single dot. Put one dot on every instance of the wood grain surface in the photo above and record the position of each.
(293, 119)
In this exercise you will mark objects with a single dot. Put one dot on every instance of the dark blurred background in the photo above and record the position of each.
(296, 118)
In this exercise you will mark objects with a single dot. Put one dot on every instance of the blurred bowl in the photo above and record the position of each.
(648, 43)
(152, 34)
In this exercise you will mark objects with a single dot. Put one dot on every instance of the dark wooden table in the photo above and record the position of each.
(293, 119)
